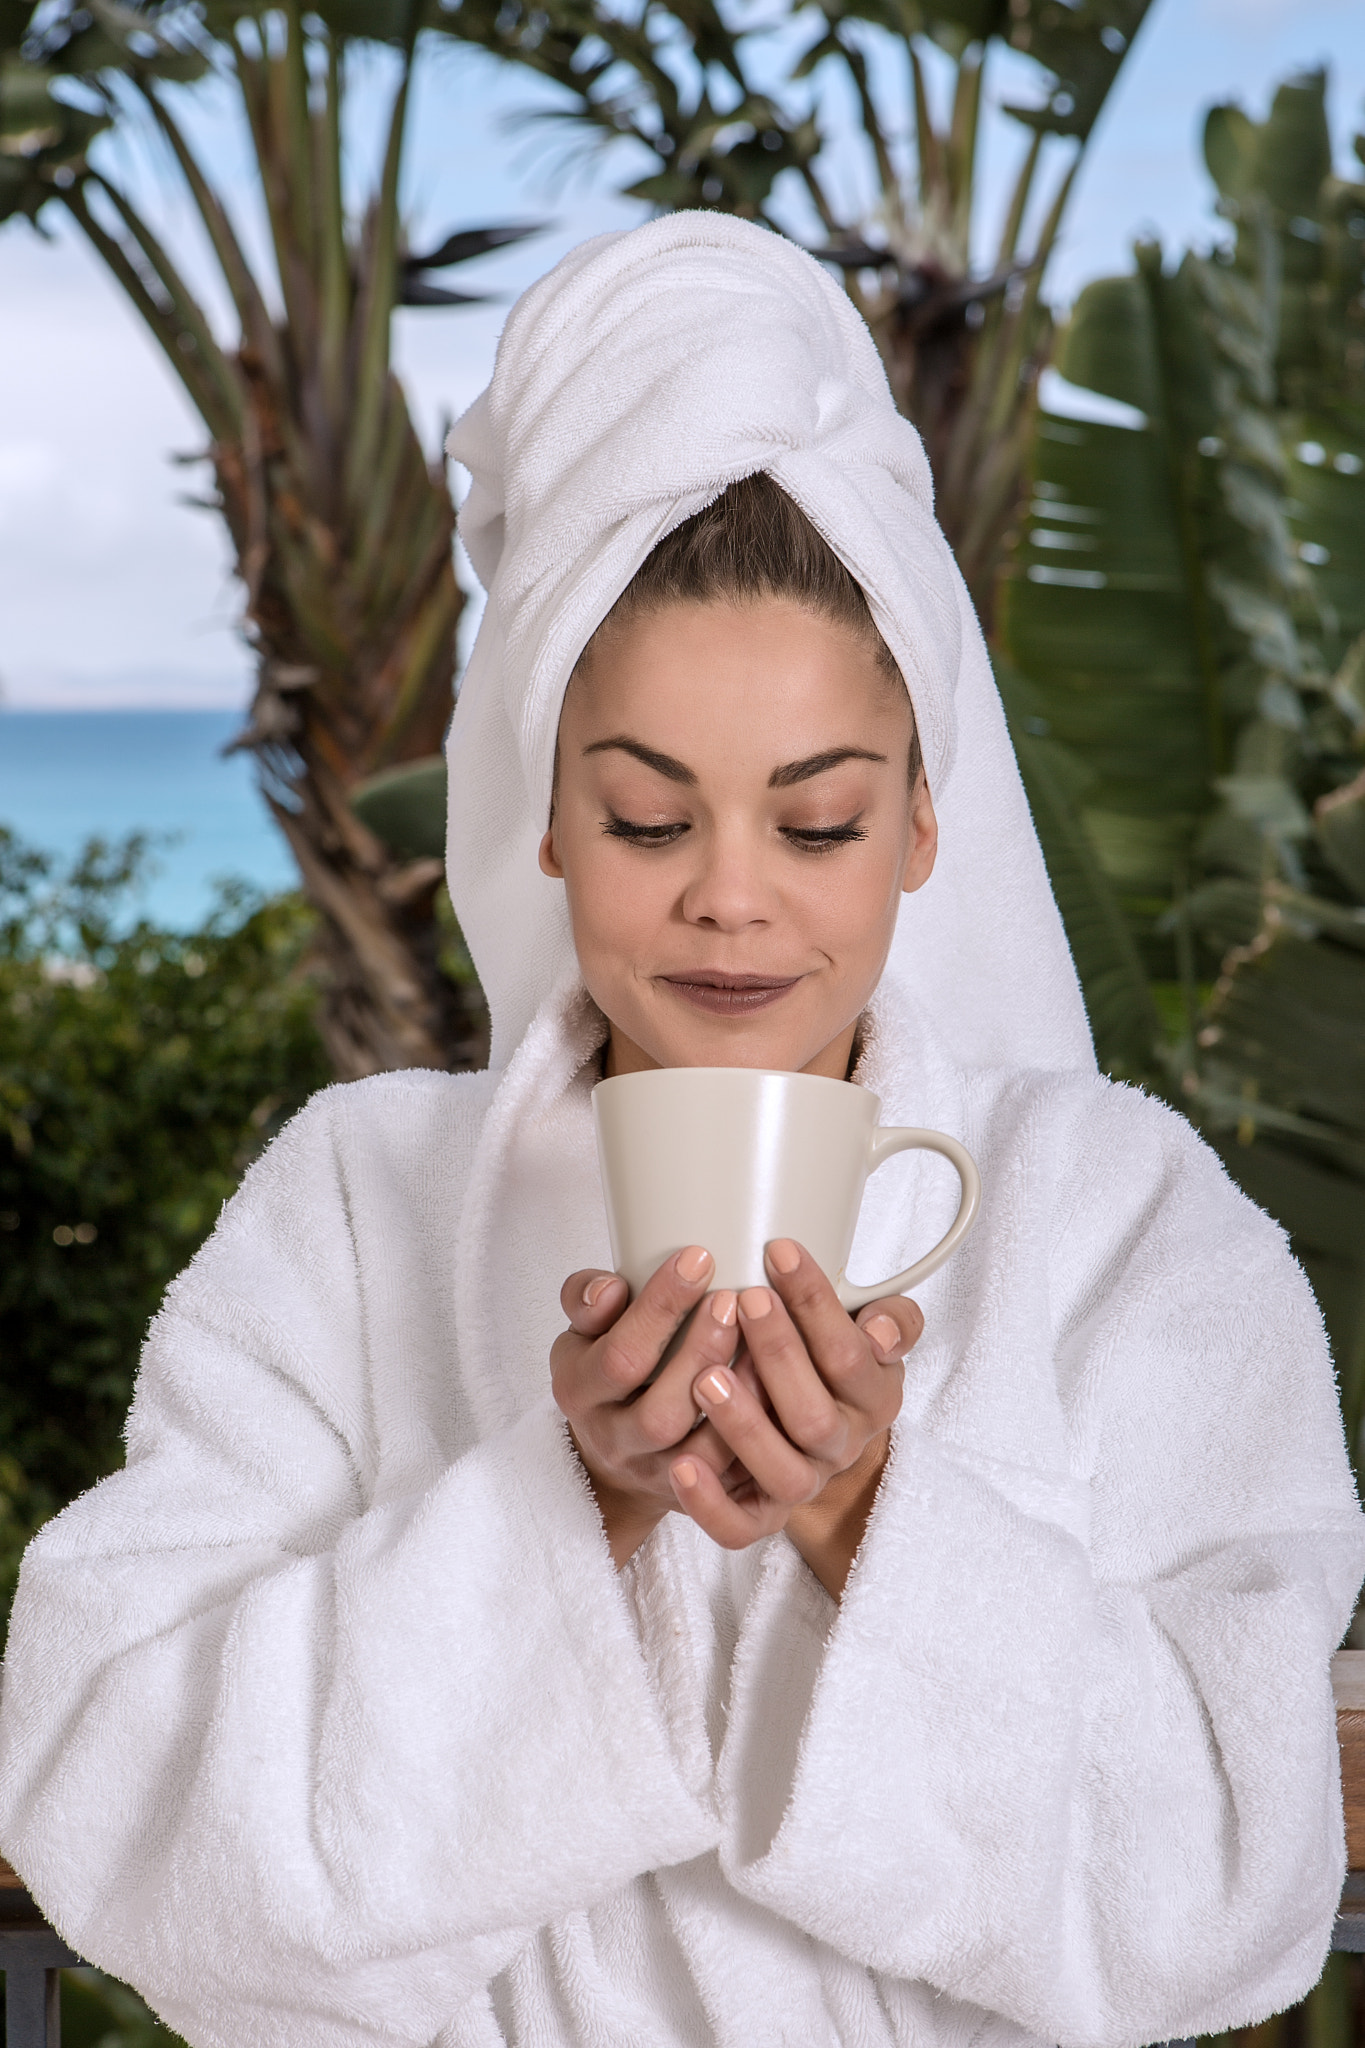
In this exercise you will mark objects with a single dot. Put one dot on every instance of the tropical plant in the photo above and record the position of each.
(341, 525)
(748, 110)
(140, 1071)
(99, 2012)
(1185, 631)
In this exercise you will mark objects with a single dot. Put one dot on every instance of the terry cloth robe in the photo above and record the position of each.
(328, 1720)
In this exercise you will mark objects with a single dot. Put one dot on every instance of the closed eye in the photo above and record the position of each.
(820, 838)
(643, 835)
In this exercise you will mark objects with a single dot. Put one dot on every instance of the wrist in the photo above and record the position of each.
(829, 1530)
(626, 1520)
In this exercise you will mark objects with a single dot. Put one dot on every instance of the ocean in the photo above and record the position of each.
(66, 776)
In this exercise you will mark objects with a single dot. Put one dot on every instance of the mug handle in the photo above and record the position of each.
(885, 1143)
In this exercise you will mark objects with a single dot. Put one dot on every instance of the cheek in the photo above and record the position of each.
(616, 900)
(854, 899)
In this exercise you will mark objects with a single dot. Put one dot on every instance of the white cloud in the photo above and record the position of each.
(102, 572)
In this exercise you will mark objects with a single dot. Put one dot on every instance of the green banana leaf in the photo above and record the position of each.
(406, 807)
(1282, 1096)
(1184, 629)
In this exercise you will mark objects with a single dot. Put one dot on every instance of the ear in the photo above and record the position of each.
(550, 863)
(922, 850)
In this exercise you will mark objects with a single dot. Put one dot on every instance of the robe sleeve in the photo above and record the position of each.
(1080, 1768)
(298, 1761)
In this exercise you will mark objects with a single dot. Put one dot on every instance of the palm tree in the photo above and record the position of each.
(735, 109)
(341, 524)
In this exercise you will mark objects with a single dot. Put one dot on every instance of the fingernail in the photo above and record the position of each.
(715, 1387)
(783, 1255)
(884, 1333)
(595, 1289)
(723, 1306)
(685, 1473)
(693, 1264)
(755, 1302)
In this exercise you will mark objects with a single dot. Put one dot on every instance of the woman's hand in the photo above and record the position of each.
(813, 1437)
(808, 1397)
(627, 1438)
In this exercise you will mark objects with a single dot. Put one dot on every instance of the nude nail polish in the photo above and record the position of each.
(715, 1387)
(754, 1303)
(693, 1264)
(884, 1333)
(723, 1304)
(783, 1255)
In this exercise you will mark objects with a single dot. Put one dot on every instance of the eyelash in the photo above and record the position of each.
(819, 839)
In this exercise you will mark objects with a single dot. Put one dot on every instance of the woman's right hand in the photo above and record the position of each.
(627, 1440)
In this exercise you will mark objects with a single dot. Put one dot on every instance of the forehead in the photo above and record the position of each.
(760, 663)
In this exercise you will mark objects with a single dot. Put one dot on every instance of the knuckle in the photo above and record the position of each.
(847, 1351)
(808, 1285)
(617, 1364)
(815, 1428)
(655, 1425)
(565, 1354)
(797, 1491)
(830, 1444)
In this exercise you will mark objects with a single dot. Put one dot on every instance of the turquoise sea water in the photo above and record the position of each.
(67, 775)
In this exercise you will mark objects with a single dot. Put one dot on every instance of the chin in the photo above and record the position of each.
(734, 1045)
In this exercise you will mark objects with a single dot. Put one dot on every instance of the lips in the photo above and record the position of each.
(730, 995)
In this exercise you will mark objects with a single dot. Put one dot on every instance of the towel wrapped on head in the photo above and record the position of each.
(644, 374)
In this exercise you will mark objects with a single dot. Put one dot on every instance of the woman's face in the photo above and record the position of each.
(734, 827)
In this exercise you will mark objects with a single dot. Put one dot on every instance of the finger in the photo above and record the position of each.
(893, 1327)
(609, 1440)
(890, 1326)
(776, 1465)
(630, 1350)
(666, 1411)
(816, 1400)
(732, 1523)
(592, 1300)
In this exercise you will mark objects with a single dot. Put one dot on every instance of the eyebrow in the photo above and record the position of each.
(662, 764)
(819, 764)
(781, 778)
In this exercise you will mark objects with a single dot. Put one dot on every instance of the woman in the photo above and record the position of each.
(421, 1679)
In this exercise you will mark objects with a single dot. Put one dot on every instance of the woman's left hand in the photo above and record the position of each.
(814, 1461)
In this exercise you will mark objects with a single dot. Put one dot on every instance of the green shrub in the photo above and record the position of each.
(140, 1071)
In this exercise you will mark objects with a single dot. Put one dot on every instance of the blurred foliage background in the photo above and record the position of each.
(1175, 596)
(140, 1072)
(1182, 653)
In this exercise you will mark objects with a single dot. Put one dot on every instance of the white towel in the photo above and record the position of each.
(645, 373)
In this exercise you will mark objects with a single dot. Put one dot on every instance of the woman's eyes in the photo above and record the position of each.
(809, 838)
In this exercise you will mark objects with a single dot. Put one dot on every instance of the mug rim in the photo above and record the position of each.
(756, 1073)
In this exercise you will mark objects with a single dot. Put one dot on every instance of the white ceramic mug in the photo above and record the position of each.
(732, 1157)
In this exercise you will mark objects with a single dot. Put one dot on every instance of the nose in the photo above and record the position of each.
(730, 889)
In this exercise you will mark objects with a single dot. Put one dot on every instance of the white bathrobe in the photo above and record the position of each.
(329, 1721)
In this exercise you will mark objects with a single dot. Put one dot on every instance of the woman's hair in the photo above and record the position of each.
(751, 542)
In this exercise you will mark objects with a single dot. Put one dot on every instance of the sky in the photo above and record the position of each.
(115, 593)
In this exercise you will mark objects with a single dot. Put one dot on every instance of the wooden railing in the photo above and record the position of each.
(1348, 1685)
(33, 1955)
